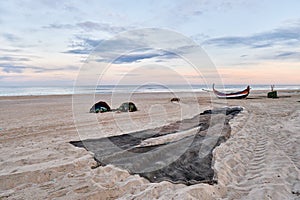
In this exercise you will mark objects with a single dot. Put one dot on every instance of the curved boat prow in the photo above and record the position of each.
(234, 95)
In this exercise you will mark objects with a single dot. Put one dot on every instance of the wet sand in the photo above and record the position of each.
(260, 160)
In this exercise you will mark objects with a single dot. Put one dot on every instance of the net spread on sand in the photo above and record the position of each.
(180, 152)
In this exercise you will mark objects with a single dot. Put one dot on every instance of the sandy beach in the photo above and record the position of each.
(260, 160)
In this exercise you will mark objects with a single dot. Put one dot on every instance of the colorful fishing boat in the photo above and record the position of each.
(233, 95)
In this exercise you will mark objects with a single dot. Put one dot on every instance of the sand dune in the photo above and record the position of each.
(259, 161)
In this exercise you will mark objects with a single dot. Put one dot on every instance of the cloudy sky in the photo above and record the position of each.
(47, 42)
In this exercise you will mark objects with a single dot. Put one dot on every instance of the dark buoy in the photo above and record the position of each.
(175, 99)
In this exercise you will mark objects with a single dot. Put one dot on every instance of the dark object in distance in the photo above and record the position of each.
(127, 107)
(175, 99)
(101, 106)
(272, 94)
(234, 95)
(194, 165)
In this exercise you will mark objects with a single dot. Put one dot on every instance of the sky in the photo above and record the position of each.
(48, 42)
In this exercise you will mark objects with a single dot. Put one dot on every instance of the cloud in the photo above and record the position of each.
(260, 40)
(59, 26)
(287, 54)
(134, 46)
(89, 26)
(284, 55)
(144, 55)
(17, 42)
(78, 51)
(82, 45)
(198, 12)
(115, 48)
(10, 58)
(258, 46)
(44, 70)
(188, 10)
(10, 37)
(13, 68)
(105, 27)
(10, 50)
(90, 42)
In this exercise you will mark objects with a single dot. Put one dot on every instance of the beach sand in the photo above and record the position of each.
(261, 159)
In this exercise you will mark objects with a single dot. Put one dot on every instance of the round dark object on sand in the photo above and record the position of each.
(127, 107)
(175, 99)
(101, 106)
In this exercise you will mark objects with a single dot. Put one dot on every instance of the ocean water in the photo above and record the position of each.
(109, 89)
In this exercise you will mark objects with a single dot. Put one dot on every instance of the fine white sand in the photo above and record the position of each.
(261, 160)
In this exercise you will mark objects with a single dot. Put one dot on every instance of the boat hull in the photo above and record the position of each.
(236, 95)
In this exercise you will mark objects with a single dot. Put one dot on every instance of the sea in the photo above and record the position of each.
(109, 89)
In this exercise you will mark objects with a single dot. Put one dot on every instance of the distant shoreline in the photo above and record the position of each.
(136, 93)
(125, 89)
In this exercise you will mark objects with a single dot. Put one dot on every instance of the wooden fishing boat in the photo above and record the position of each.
(234, 95)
